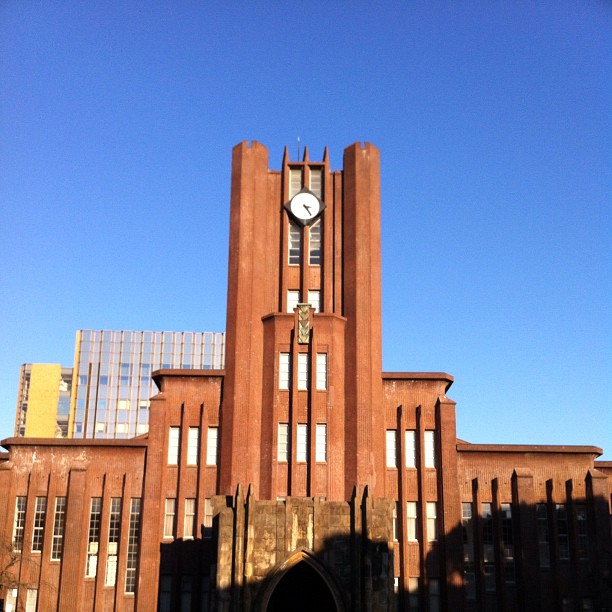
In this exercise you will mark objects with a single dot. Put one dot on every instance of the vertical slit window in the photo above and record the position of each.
(211, 446)
(38, 534)
(411, 521)
(488, 550)
(93, 537)
(19, 523)
(132, 548)
(189, 521)
(507, 543)
(293, 299)
(430, 449)
(562, 533)
(582, 534)
(169, 517)
(413, 594)
(314, 244)
(314, 299)
(469, 571)
(432, 521)
(410, 440)
(174, 436)
(283, 442)
(31, 600)
(391, 448)
(112, 553)
(193, 442)
(543, 535)
(316, 181)
(395, 522)
(59, 520)
(321, 442)
(283, 371)
(208, 517)
(321, 371)
(301, 449)
(295, 244)
(295, 181)
(302, 380)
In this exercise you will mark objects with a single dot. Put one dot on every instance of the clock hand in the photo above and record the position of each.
(307, 208)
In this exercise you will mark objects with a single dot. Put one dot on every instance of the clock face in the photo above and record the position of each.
(305, 206)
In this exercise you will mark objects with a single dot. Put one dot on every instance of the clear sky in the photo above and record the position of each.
(493, 119)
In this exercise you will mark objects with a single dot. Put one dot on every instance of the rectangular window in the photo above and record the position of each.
(430, 449)
(314, 299)
(507, 543)
(31, 600)
(19, 523)
(283, 371)
(316, 181)
(283, 442)
(562, 533)
(411, 521)
(211, 446)
(432, 521)
(582, 534)
(193, 442)
(38, 534)
(410, 440)
(165, 593)
(169, 517)
(321, 443)
(469, 570)
(295, 181)
(302, 380)
(132, 549)
(208, 518)
(395, 522)
(301, 449)
(391, 448)
(434, 595)
(295, 244)
(488, 547)
(293, 299)
(543, 535)
(314, 244)
(321, 371)
(413, 594)
(189, 522)
(59, 519)
(93, 538)
(174, 436)
(112, 553)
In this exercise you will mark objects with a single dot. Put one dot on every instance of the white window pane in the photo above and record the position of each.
(314, 299)
(432, 521)
(189, 522)
(410, 448)
(302, 382)
(302, 443)
(295, 244)
(316, 180)
(314, 244)
(173, 445)
(211, 446)
(321, 371)
(411, 521)
(295, 181)
(192, 445)
(293, 299)
(430, 450)
(321, 442)
(391, 448)
(283, 442)
(283, 371)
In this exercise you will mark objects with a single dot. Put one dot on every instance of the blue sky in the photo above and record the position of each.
(117, 121)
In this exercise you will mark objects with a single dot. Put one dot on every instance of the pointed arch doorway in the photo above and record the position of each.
(302, 585)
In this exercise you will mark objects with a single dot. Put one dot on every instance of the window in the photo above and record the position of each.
(132, 550)
(295, 181)
(31, 600)
(293, 299)
(189, 523)
(314, 299)
(391, 448)
(173, 445)
(302, 378)
(301, 449)
(316, 181)
(38, 533)
(543, 535)
(562, 533)
(321, 371)
(211, 446)
(469, 572)
(410, 438)
(432, 521)
(112, 553)
(283, 442)
(169, 517)
(395, 522)
(295, 244)
(193, 441)
(165, 593)
(430, 449)
(411, 521)
(321, 442)
(93, 538)
(57, 542)
(582, 535)
(434, 595)
(19, 522)
(488, 547)
(507, 543)
(283, 371)
(208, 517)
(314, 244)
(413, 593)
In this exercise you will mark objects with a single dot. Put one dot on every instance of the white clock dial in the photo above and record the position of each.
(305, 206)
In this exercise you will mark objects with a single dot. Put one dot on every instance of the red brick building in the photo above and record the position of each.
(302, 476)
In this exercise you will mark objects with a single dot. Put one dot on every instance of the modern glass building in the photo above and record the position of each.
(112, 375)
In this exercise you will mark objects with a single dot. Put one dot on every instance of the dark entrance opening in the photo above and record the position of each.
(301, 589)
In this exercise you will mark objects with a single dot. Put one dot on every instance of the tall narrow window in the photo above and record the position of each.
(314, 299)
(543, 535)
(293, 299)
(321, 442)
(59, 519)
(112, 553)
(302, 378)
(316, 181)
(469, 571)
(295, 181)
(189, 522)
(19, 523)
(132, 549)
(562, 533)
(321, 371)
(411, 521)
(174, 435)
(31, 600)
(211, 446)
(295, 244)
(283, 442)
(507, 543)
(410, 438)
(208, 517)
(283, 371)
(301, 449)
(395, 522)
(430, 449)
(432, 521)
(38, 534)
(169, 517)
(165, 593)
(314, 244)
(193, 442)
(488, 550)
(391, 448)
(582, 534)
(434, 595)
(413, 594)
(93, 538)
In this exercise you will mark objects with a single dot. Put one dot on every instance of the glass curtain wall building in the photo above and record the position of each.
(112, 375)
